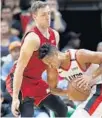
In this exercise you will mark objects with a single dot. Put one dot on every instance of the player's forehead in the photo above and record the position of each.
(46, 9)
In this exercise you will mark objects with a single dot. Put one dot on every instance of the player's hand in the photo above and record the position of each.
(15, 107)
(84, 81)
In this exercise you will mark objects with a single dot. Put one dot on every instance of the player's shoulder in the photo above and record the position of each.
(83, 55)
(84, 51)
(79, 52)
(32, 37)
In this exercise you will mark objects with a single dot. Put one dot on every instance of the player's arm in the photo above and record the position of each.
(97, 72)
(89, 57)
(30, 44)
(92, 57)
(57, 38)
(52, 79)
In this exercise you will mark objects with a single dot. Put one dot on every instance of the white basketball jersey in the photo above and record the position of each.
(75, 70)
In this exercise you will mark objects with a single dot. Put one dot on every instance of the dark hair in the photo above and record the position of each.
(37, 5)
(46, 49)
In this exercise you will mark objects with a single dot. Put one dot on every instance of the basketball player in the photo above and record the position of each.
(80, 64)
(27, 75)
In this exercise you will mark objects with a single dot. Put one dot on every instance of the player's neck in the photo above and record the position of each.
(44, 31)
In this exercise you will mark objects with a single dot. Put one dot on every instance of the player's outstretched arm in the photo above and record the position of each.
(52, 79)
(30, 45)
(92, 57)
(89, 57)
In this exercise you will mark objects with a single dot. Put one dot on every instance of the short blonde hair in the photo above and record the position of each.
(37, 5)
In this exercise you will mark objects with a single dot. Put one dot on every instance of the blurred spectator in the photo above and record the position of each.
(2, 2)
(6, 38)
(5, 108)
(10, 3)
(57, 21)
(25, 4)
(16, 26)
(17, 3)
(26, 18)
(5, 101)
(14, 49)
(15, 32)
(7, 15)
(6, 97)
(99, 46)
(73, 41)
(26, 21)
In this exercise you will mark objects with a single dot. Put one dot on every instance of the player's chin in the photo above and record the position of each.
(47, 25)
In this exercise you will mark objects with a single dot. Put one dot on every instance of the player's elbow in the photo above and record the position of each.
(99, 57)
(52, 84)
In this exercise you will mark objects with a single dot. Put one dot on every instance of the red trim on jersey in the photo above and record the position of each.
(8, 85)
(37, 104)
(51, 38)
(87, 66)
(9, 80)
(96, 103)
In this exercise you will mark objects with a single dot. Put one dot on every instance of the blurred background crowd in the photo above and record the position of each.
(79, 23)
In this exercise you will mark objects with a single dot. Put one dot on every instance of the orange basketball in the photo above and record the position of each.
(76, 93)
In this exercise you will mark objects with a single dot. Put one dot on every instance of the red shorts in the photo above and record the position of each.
(36, 89)
(30, 88)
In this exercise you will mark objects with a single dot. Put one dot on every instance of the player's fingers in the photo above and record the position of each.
(78, 79)
(86, 87)
(15, 109)
(80, 83)
(15, 112)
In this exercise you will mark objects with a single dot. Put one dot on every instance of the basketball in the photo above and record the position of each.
(76, 93)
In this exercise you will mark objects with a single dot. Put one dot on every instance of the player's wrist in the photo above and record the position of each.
(14, 97)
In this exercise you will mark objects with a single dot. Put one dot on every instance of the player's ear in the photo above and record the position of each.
(33, 16)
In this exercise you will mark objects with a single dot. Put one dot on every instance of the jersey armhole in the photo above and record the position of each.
(87, 65)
